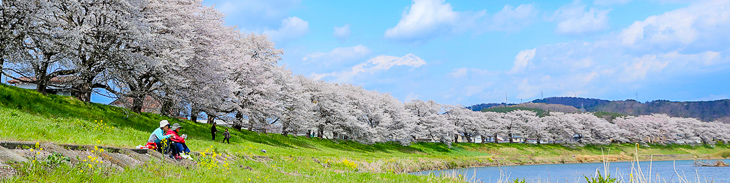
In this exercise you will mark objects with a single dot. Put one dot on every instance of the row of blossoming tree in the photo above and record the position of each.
(182, 54)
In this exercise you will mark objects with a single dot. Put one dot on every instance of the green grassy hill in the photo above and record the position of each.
(28, 116)
(539, 112)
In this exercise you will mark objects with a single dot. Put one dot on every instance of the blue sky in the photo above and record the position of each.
(469, 52)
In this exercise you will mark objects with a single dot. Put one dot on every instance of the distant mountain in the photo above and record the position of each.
(703, 110)
(543, 106)
(479, 107)
(718, 110)
(550, 107)
(587, 103)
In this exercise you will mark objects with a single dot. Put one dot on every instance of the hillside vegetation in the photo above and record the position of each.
(717, 110)
(540, 112)
(29, 116)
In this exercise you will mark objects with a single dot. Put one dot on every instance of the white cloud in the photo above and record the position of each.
(384, 62)
(316, 76)
(411, 96)
(425, 19)
(522, 60)
(640, 67)
(460, 72)
(676, 45)
(341, 54)
(291, 28)
(513, 18)
(573, 20)
(342, 33)
(376, 64)
(699, 27)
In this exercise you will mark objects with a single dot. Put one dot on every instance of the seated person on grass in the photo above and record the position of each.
(161, 141)
(179, 143)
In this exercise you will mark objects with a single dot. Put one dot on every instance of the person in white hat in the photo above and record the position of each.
(157, 136)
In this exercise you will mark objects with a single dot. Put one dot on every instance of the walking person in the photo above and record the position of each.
(226, 137)
(213, 130)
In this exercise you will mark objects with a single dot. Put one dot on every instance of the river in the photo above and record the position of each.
(575, 172)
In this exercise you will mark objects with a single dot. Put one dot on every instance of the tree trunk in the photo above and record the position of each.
(41, 78)
(321, 132)
(166, 109)
(211, 119)
(193, 117)
(496, 141)
(285, 128)
(238, 122)
(2, 62)
(83, 91)
(237, 126)
(456, 138)
(137, 104)
(510, 138)
(538, 140)
(41, 87)
(250, 124)
(309, 134)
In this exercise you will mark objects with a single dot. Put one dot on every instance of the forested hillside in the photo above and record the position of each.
(587, 103)
(704, 110)
(717, 110)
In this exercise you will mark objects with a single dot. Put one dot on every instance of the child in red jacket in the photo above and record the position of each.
(182, 150)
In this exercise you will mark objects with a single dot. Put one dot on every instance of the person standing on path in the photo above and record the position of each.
(213, 130)
(226, 137)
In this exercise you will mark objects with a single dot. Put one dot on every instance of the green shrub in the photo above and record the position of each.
(540, 112)
(600, 179)
(519, 181)
(724, 154)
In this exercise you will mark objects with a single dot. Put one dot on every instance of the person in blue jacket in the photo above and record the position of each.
(162, 141)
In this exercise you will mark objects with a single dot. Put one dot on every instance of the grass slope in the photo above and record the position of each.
(28, 116)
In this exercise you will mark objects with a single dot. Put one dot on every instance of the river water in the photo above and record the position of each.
(576, 172)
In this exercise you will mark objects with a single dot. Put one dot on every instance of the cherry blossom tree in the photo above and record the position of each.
(431, 121)
(36, 41)
(516, 123)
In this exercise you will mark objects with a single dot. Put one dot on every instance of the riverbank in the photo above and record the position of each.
(670, 171)
(28, 116)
